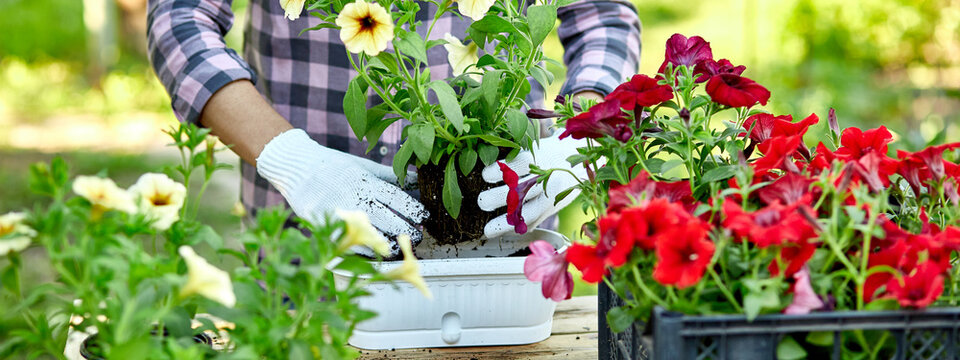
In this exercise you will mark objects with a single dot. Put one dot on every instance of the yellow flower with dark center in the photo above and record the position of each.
(409, 271)
(365, 27)
(14, 234)
(103, 194)
(160, 199)
(474, 9)
(292, 8)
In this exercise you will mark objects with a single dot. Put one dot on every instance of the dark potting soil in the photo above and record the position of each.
(440, 225)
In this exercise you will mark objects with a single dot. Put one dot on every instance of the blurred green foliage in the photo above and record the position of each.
(42, 30)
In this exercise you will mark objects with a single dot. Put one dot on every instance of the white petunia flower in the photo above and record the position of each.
(409, 271)
(160, 199)
(461, 56)
(474, 9)
(206, 280)
(14, 234)
(292, 8)
(103, 194)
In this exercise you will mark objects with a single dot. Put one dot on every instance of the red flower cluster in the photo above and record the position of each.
(603, 119)
(725, 85)
(643, 215)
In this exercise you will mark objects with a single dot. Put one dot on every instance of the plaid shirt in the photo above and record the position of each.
(305, 76)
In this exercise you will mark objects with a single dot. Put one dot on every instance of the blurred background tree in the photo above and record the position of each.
(74, 77)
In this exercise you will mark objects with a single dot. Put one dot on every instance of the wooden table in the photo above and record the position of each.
(574, 336)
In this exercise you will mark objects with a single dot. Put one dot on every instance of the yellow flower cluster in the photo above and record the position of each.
(156, 196)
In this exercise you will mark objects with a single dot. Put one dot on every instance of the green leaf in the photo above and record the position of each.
(493, 24)
(411, 44)
(619, 319)
(356, 266)
(468, 160)
(541, 19)
(208, 235)
(498, 141)
(820, 338)
(421, 137)
(488, 154)
(517, 123)
(759, 296)
(385, 61)
(448, 103)
(789, 349)
(545, 78)
(721, 173)
(451, 191)
(490, 86)
(355, 106)
(400, 161)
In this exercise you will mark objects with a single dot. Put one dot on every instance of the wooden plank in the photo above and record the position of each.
(572, 346)
(574, 336)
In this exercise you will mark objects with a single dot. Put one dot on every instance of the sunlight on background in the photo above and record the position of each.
(80, 84)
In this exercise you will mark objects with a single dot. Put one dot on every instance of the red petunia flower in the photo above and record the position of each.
(644, 223)
(931, 156)
(603, 119)
(951, 169)
(771, 225)
(794, 255)
(791, 188)
(544, 264)
(683, 51)
(736, 91)
(779, 154)
(640, 91)
(875, 169)
(856, 143)
(709, 68)
(764, 126)
(913, 170)
(887, 256)
(622, 196)
(517, 191)
(823, 160)
(610, 251)
(920, 288)
(683, 254)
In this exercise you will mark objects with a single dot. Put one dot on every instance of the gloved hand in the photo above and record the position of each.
(316, 180)
(538, 204)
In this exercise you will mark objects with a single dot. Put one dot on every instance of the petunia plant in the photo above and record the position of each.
(451, 124)
(129, 281)
(707, 204)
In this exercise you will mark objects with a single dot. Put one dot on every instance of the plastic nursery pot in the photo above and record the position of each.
(477, 300)
(90, 350)
(910, 334)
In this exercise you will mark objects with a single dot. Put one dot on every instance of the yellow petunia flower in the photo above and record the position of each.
(365, 27)
(461, 56)
(361, 233)
(409, 271)
(160, 199)
(206, 280)
(103, 194)
(14, 234)
(474, 9)
(292, 8)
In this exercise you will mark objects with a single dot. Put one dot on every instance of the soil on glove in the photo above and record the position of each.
(469, 225)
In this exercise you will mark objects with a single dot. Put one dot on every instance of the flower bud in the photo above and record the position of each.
(834, 124)
(685, 115)
(541, 114)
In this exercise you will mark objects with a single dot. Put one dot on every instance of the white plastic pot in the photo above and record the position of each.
(476, 301)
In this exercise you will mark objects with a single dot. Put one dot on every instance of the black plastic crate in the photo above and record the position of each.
(920, 335)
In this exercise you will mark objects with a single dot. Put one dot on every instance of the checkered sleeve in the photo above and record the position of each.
(188, 53)
(601, 40)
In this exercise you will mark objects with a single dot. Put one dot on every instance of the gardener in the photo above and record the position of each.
(280, 106)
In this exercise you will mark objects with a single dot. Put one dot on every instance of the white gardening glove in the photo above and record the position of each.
(550, 153)
(316, 180)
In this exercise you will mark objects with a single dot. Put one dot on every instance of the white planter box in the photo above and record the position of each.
(476, 301)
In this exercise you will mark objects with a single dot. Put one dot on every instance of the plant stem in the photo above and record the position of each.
(643, 288)
(723, 289)
(386, 99)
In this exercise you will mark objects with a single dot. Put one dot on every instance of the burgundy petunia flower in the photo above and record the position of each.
(640, 91)
(544, 264)
(622, 196)
(683, 51)
(603, 119)
(791, 188)
(805, 299)
(517, 191)
(856, 143)
(736, 91)
(610, 251)
(709, 68)
(919, 289)
(683, 254)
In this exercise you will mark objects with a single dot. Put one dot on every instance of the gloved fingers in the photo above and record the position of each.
(390, 224)
(520, 164)
(533, 212)
(380, 171)
(495, 198)
(398, 201)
